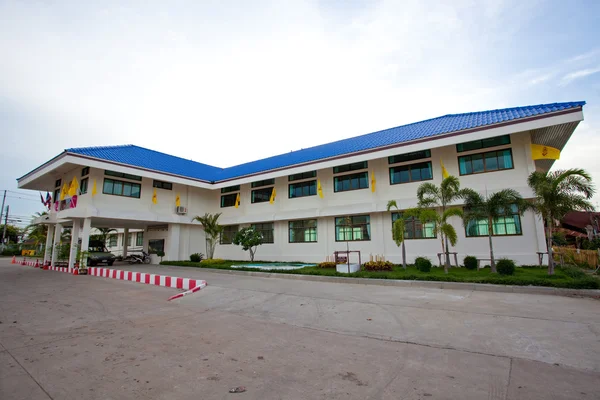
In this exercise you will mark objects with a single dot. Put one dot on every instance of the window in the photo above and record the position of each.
(510, 224)
(483, 143)
(56, 195)
(156, 245)
(265, 182)
(261, 195)
(415, 229)
(162, 185)
(304, 231)
(485, 162)
(228, 200)
(266, 229)
(353, 228)
(120, 188)
(416, 155)
(83, 188)
(129, 239)
(139, 239)
(112, 241)
(302, 189)
(351, 182)
(122, 175)
(411, 173)
(57, 183)
(85, 171)
(351, 167)
(228, 234)
(303, 175)
(230, 189)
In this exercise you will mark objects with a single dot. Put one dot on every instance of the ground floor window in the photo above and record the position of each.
(156, 245)
(502, 226)
(303, 231)
(354, 228)
(139, 239)
(228, 234)
(266, 229)
(415, 229)
(112, 241)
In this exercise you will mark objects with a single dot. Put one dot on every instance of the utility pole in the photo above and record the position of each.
(2, 209)
(5, 223)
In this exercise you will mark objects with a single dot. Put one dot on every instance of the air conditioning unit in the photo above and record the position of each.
(181, 210)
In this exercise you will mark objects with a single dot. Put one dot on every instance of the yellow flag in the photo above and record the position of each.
(94, 189)
(237, 201)
(154, 199)
(319, 188)
(273, 194)
(177, 201)
(73, 187)
(541, 152)
(445, 173)
(64, 191)
(373, 181)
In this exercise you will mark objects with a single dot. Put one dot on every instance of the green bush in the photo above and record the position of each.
(326, 264)
(196, 257)
(378, 266)
(573, 272)
(470, 262)
(504, 266)
(423, 264)
(212, 261)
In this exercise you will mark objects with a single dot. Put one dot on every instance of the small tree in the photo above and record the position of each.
(556, 194)
(212, 230)
(490, 208)
(161, 254)
(398, 228)
(249, 239)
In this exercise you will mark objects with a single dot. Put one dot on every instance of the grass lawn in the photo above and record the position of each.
(564, 277)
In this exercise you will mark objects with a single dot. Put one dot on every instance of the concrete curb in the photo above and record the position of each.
(482, 287)
(173, 282)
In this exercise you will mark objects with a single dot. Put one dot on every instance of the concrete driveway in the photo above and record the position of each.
(67, 337)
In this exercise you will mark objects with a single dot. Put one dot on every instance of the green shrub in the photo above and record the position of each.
(378, 266)
(213, 261)
(504, 266)
(573, 272)
(470, 262)
(196, 257)
(326, 264)
(423, 264)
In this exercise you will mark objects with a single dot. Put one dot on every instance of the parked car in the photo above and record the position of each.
(99, 254)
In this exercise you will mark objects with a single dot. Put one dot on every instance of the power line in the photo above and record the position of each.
(21, 193)
(24, 198)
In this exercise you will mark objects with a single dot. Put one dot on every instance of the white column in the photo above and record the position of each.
(49, 241)
(57, 233)
(74, 243)
(85, 238)
(172, 245)
(125, 241)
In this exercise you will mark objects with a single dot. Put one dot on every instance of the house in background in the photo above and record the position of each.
(115, 241)
(309, 203)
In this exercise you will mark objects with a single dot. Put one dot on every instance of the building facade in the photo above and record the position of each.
(315, 201)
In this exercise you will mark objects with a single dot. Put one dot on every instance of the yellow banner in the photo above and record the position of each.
(319, 188)
(273, 194)
(445, 173)
(94, 189)
(154, 198)
(373, 181)
(177, 201)
(237, 201)
(73, 187)
(541, 152)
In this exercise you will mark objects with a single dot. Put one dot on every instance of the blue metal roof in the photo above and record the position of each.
(153, 160)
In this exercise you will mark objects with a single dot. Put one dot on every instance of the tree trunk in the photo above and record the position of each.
(549, 244)
(492, 261)
(447, 262)
(251, 255)
(403, 255)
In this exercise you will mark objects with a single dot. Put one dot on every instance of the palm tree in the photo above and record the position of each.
(105, 233)
(398, 228)
(432, 196)
(490, 208)
(212, 229)
(556, 194)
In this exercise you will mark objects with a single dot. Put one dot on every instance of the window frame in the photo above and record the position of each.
(302, 175)
(272, 229)
(228, 195)
(229, 189)
(349, 176)
(268, 189)
(162, 185)
(122, 175)
(414, 221)
(114, 236)
(512, 214)
(261, 183)
(57, 183)
(353, 226)
(85, 171)
(482, 145)
(221, 236)
(305, 228)
(123, 183)
(152, 250)
(356, 166)
(391, 173)
(512, 162)
(408, 157)
(84, 185)
(311, 183)
(139, 239)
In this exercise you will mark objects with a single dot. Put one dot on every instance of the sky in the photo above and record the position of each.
(226, 82)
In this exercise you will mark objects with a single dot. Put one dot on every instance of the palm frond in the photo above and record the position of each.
(452, 212)
(392, 203)
(428, 195)
(398, 231)
(449, 231)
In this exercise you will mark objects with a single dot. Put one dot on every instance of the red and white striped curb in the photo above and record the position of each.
(59, 269)
(149, 279)
(29, 263)
(192, 290)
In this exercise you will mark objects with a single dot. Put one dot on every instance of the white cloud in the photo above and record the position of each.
(570, 77)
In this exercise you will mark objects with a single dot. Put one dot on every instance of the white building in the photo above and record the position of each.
(488, 151)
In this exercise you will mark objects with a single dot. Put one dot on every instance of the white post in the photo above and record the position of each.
(85, 239)
(49, 241)
(125, 241)
(74, 242)
(57, 233)
(172, 245)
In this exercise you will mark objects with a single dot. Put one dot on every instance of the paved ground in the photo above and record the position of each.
(65, 337)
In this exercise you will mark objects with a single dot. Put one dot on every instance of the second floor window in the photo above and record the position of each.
(351, 182)
(121, 188)
(411, 173)
(485, 162)
(302, 189)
